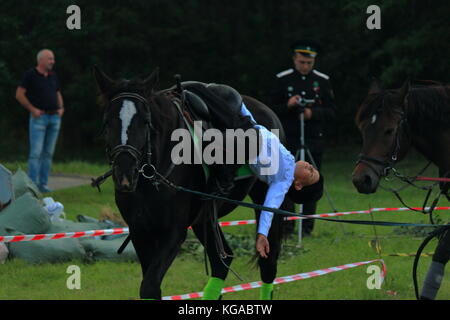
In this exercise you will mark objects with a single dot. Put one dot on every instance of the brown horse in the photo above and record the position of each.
(391, 122)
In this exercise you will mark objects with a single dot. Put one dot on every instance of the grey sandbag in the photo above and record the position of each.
(107, 250)
(83, 218)
(72, 226)
(47, 251)
(3, 253)
(22, 183)
(26, 215)
(105, 224)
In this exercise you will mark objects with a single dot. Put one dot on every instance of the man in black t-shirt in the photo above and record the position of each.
(39, 93)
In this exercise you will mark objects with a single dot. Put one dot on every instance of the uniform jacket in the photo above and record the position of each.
(315, 85)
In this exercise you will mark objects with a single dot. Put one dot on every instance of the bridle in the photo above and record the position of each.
(142, 157)
(386, 164)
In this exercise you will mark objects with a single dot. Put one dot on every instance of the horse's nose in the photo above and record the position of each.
(122, 181)
(125, 182)
(364, 182)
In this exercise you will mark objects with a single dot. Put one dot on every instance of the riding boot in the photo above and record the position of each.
(432, 281)
(266, 291)
(308, 224)
(213, 289)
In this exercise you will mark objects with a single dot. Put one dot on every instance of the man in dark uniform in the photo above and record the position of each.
(303, 85)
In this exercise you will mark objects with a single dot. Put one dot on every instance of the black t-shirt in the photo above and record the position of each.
(41, 90)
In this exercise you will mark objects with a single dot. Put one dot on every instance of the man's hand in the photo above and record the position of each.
(36, 113)
(293, 101)
(60, 112)
(308, 113)
(262, 245)
(23, 100)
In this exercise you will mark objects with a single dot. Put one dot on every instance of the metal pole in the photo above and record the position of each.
(302, 103)
(330, 202)
(302, 157)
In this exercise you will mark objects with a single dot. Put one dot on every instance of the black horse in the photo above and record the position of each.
(393, 121)
(138, 123)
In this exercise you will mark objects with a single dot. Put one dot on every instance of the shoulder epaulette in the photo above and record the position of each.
(320, 74)
(285, 73)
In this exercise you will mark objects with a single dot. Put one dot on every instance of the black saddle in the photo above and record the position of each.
(197, 106)
(196, 93)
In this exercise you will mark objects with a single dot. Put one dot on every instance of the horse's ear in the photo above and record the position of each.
(405, 88)
(375, 86)
(403, 92)
(152, 80)
(103, 81)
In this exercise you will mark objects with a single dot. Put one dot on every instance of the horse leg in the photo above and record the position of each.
(268, 266)
(435, 272)
(219, 267)
(156, 253)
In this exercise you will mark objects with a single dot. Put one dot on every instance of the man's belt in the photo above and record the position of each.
(51, 112)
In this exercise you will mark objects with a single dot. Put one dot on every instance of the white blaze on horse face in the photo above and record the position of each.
(126, 115)
(374, 119)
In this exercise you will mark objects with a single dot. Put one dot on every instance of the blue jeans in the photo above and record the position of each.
(43, 135)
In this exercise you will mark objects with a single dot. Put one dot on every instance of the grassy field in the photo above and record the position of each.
(332, 244)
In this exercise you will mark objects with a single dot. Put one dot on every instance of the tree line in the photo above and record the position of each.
(239, 43)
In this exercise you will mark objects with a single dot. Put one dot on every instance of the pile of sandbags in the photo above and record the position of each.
(29, 214)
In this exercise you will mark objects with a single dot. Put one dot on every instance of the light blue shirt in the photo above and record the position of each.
(275, 166)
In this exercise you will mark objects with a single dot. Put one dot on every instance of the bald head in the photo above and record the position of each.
(45, 60)
(304, 175)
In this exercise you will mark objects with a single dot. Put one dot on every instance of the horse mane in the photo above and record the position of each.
(160, 114)
(374, 103)
(123, 85)
(428, 107)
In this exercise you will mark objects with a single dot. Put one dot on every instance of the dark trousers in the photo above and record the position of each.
(309, 207)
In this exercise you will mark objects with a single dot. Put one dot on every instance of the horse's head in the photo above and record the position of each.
(380, 119)
(126, 126)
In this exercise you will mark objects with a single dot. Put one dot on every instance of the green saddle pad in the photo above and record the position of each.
(242, 173)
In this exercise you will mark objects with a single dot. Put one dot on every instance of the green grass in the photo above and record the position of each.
(76, 167)
(332, 244)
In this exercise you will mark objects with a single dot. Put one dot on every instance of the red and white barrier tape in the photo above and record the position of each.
(419, 178)
(61, 235)
(105, 232)
(327, 215)
(295, 277)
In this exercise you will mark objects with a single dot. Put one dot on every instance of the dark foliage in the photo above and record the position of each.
(240, 43)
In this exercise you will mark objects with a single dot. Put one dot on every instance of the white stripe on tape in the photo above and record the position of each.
(295, 277)
(95, 233)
